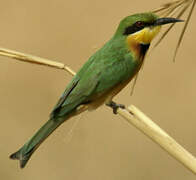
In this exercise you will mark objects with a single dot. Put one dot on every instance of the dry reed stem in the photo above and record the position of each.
(133, 115)
(159, 136)
(34, 59)
(175, 9)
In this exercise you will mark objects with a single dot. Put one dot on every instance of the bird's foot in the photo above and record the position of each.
(115, 106)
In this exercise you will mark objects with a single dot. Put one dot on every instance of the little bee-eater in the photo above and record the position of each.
(104, 75)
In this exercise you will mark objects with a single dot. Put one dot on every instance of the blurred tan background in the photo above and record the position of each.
(102, 146)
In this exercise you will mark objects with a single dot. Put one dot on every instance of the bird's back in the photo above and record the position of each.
(109, 66)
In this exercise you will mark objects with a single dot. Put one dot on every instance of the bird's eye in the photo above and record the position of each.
(139, 24)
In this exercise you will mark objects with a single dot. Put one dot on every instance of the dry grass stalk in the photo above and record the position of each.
(175, 9)
(132, 115)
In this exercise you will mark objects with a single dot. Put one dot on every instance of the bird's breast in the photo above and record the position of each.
(137, 49)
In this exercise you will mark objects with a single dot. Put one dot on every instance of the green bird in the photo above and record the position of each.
(104, 75)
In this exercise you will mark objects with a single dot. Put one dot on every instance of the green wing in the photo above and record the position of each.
(77, 91)
(108, 67)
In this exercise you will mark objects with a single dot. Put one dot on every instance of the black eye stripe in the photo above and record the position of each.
(132, 29)
(139, 25)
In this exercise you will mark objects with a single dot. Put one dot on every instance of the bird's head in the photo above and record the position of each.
(142, 28)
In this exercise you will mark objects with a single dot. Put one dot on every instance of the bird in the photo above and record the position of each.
(103, 76)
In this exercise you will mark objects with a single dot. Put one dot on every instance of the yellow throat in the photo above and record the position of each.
(145, 36)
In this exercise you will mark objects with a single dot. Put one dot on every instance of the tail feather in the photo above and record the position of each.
(24, 153)
(23, 158)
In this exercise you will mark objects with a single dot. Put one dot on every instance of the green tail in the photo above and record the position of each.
(24, 153)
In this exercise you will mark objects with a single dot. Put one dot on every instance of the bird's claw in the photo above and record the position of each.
(115, 106)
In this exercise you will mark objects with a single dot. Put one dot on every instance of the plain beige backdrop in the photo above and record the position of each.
(101, 146)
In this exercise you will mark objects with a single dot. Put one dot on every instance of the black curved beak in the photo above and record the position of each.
(162, 21)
